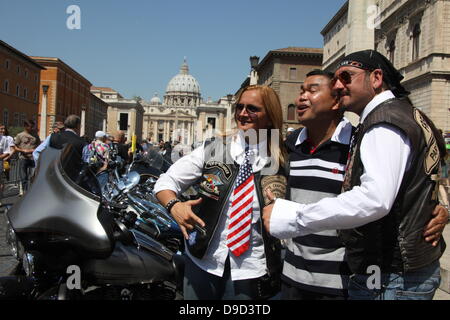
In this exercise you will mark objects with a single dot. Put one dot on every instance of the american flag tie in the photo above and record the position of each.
(240, 220)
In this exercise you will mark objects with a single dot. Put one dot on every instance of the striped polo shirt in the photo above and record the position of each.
(316, 262)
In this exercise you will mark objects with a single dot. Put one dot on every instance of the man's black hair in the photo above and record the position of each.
(318, 72)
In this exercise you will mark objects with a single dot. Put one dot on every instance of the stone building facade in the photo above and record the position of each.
(183, 115)
(125, 115)
(96, 116)
(285, 70)
(413, 34)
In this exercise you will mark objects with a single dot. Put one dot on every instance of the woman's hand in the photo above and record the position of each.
(183, 215)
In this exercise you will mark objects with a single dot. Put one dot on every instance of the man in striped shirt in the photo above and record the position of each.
(314, 267)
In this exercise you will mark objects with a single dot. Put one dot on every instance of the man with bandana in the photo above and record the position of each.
(390, 188)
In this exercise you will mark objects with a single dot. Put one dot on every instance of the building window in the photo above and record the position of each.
(18, 69)
(123, 122)
(416, 42)
(7, 64)
(25, 93)
(5, 117)
(35, 97)
(392, 51)
(6, 86)
(23, 117)
(26, 74)
(18, 90)
(16, 119)
(212, 122)
(291, 112)
(36, 78)
(292, 73)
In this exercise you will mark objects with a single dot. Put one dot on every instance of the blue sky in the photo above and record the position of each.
(137, 46)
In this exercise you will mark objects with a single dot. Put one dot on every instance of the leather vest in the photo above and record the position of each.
(215, 188)
(396, 243)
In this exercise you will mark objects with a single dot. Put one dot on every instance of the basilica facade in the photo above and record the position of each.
(182, 115)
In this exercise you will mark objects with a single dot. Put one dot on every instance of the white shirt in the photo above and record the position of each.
(183, 173)
(6, 142)
(385, 154)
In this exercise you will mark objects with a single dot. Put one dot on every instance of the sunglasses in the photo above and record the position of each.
(345, 77)
(251, 109)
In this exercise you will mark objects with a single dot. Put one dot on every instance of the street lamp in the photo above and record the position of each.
(254, 61)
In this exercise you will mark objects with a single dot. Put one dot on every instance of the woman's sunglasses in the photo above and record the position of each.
(251, 109)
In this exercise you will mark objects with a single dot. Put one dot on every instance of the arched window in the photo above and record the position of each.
(416, 42)
(291, 112)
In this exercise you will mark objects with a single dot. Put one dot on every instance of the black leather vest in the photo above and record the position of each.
(395, 243)
(215, 188)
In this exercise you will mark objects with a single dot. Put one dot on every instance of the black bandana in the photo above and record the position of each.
(371, 60)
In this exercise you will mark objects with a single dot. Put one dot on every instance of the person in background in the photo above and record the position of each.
(58, 126)
(25, 143)
(99, 156)
(6, 150)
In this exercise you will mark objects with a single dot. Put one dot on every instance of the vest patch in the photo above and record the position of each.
(208, 187)
(277, 184)
(226, 170)
(432, 156)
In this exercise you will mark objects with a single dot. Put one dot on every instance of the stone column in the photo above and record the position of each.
(83, 122)
(183, 134)
(361, 35)
(189, 133)
(155, 131)
(43, 124)
(221, 126)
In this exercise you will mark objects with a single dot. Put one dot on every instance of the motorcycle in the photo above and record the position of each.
(75, 244)
(134, 192)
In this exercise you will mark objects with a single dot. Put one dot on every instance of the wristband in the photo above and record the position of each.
(171, 203)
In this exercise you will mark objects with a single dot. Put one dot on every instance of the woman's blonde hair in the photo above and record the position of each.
(274, 111)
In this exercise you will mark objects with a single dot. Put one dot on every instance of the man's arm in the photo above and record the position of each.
(40, 148)
(181, 175)
(385, 154)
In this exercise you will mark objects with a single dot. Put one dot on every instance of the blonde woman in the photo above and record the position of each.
(229, 254)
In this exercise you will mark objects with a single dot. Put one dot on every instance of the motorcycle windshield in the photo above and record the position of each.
(57, 209)
(153, 158)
